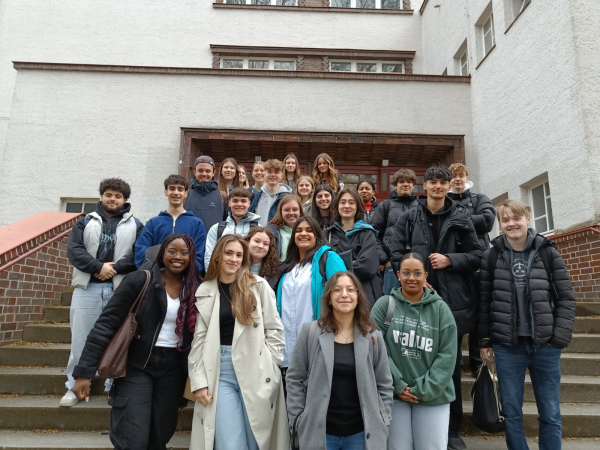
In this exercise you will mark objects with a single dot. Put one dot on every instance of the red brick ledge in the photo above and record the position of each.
(405, 12)
(20, 65)
(575, 234)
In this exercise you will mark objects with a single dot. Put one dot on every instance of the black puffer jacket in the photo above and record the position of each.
(364, 255)
(150, 318)
(369, 215)
(458, 241)
(482, 213)
(384, 221)
(553, 317)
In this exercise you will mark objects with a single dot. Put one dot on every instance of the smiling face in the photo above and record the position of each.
(304, 188)
(242, 175)
(437, 188)
(366, 192)
(404, 187)
(232, 259)
(290, 212)
(176, 194)
(323, 200)
(273, 177)
(459, 182)
(239, 207)
(305, 237)
(112, 201)
(258, 247)
(258, 173)
(344, 295)
(290, 166)
(347, 207)
(412, 276)
(177, 257)
(228, 172)
(204, 172)
(323, 166)
(514, 227)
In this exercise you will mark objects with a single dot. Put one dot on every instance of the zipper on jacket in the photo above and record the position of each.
(154, 338)
(174, 221)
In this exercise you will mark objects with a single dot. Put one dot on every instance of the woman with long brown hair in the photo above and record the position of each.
(291, 172)
(305, 190)
(237, 329)
(263, 252)
(229, 175)
(339, 374)
(243, 177)
(288, 211)
(324, 173)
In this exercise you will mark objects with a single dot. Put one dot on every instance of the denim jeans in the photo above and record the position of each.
(418, 427)
(544, 369)
(354, 442)
(86, 307)
(232, 427)
(390, 280)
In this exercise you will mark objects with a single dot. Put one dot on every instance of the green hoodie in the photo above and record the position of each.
(421, 346)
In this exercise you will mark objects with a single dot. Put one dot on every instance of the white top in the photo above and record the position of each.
(167, 336)
(296, 305)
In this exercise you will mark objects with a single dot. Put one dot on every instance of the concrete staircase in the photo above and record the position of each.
(32, 377)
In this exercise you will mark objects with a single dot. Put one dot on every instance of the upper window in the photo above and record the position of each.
(367, 66)
(258, 63)
(79, 205)
(541, 206)
(489, 35)
(263, 2)
(367, 4)
(464, 64)
(518, 6)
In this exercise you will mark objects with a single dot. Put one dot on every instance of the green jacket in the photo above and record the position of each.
(421, 345)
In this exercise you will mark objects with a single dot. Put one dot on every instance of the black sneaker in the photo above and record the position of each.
(455, 442)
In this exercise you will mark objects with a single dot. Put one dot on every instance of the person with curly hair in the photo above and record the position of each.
(288, 211)
(263, 252)
(324, 173)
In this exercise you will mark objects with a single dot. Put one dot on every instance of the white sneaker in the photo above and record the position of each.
(69, 399)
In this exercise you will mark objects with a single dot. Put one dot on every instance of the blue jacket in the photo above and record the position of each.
(161, 226)
(334, 264)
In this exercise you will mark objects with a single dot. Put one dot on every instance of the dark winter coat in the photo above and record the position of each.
(369, 215)
(365, 264)
(553, 315)
(482, 213)
(384, 221)
(458, 241)
(149, 318)
(206, 202)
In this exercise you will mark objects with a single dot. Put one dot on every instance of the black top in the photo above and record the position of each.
(226, 319)
(344, 416)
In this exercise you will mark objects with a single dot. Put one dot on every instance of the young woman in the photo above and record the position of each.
(229, 175)
(258, 175)
(349, 232)
(238, 332)
(324, 173)
(349, 387)
(305, 190)
(321, 205)
(301, 279)
(421, 344)
(243, 178)
(263, 252)
(366, 190)
(292, 171)
(145, 402)
(288, 211)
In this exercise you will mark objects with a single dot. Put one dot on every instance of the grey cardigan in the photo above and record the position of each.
(374, 382)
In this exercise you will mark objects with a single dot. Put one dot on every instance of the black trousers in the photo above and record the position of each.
(145, 402)
(456, 407)
(474, 354)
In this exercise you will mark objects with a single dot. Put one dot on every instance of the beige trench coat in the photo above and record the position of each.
(257, 354)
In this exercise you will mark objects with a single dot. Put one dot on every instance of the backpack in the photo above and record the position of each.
(223, 225)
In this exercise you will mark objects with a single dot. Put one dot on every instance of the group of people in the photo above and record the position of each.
(301, 311)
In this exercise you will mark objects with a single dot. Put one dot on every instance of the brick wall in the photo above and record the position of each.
(317, 3)
(27, 287)
(320, 63)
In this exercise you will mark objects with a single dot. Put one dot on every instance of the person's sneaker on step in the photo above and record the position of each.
(69, 399)
(455, 442)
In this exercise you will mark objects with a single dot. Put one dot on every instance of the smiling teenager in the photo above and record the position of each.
(265, 204)
(366, 191)
(263, 252)
(229, 176)
(292, 171)
(145, 402)
(343, 384)
(258, 175)
(322, 205)
(243, 177)
(305, 190)
(238, 332)
(288, 211)
(324, 173)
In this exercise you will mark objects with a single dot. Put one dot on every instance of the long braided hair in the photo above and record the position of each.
(191, 280)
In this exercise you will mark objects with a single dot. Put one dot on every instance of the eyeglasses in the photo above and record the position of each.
(182, 253)
(350, 290)
(407, 274)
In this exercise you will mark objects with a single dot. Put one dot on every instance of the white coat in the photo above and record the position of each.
(257, 354)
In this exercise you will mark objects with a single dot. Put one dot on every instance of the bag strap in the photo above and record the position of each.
(221, 229)
(389, 314)
(494, 375)
(140, 298)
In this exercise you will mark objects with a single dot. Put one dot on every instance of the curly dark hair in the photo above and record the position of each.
(174, 180)
(360, 207)
(438, 173)
(404, 175)
(328, 322)
(271, 259)
(115, 184)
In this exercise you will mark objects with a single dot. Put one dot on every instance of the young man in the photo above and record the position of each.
(441, 231)
(239, 221)
(266, 202)
(174, 220)
(528, 322)
(384, 222)
(100, 248)
(483, 216)
(258, 175)
(204, 198)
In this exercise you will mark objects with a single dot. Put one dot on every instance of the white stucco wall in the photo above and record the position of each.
(69, 130)
(526, 100)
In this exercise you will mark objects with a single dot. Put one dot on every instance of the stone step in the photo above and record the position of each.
(587, 308)
(584, 343)
(66, 298)
(35, 354)
(573, 389)
(47, 332)
(39, 381)
(587, 325)
(58, 314)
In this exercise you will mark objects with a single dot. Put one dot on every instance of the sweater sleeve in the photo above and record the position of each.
(144, 241)
(78, 254)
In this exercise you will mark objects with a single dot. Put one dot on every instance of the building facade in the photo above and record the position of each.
(138, 90)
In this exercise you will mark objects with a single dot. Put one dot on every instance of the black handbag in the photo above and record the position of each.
(487, 410)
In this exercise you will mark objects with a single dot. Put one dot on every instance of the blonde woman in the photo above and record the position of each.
(291, 173)
(238, 330)
(324, 173)
(305, 190)
(243, 177)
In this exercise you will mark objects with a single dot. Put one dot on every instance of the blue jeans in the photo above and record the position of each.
(544, 369)
(390, 280)
(418, 427)
(354, 442)
(232, 427)
(86, 307)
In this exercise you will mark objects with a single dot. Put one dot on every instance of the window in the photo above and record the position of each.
(489, 35)
(464, 64)
(79, 205)
(367, 4)
(541, 206)
(258, 63)
(367, 66)
(262, 2)
(518, 6)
